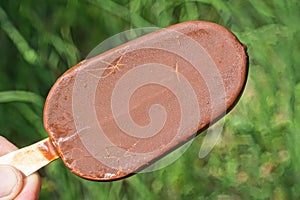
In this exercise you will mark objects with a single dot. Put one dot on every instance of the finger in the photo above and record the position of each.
(6, 146)
(11, 182)
(31, 188)
(31, 184)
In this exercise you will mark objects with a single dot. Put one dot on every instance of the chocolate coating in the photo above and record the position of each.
(114, 114)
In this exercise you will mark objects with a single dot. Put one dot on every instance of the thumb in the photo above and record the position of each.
(11, 182)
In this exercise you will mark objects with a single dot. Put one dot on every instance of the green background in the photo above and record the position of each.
(257, 156)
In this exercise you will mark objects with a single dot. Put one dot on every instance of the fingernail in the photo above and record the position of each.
(11, 182)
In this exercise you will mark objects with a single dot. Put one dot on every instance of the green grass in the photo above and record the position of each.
(258, 155)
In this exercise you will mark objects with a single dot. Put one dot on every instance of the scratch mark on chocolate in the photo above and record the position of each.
(72, 136)
(176, 71)
(177, 39)
(112, 67)
(73, 150)
(127, 154)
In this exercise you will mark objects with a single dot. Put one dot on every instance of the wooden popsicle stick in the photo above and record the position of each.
(31, 158)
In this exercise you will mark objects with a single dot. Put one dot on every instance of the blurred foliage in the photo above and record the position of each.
(257, 157)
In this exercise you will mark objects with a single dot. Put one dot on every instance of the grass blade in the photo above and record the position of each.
(28, 53)
(21, 96)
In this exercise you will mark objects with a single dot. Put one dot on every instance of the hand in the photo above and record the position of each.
(13, 183)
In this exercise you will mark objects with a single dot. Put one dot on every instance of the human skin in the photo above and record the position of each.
(21, 187)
